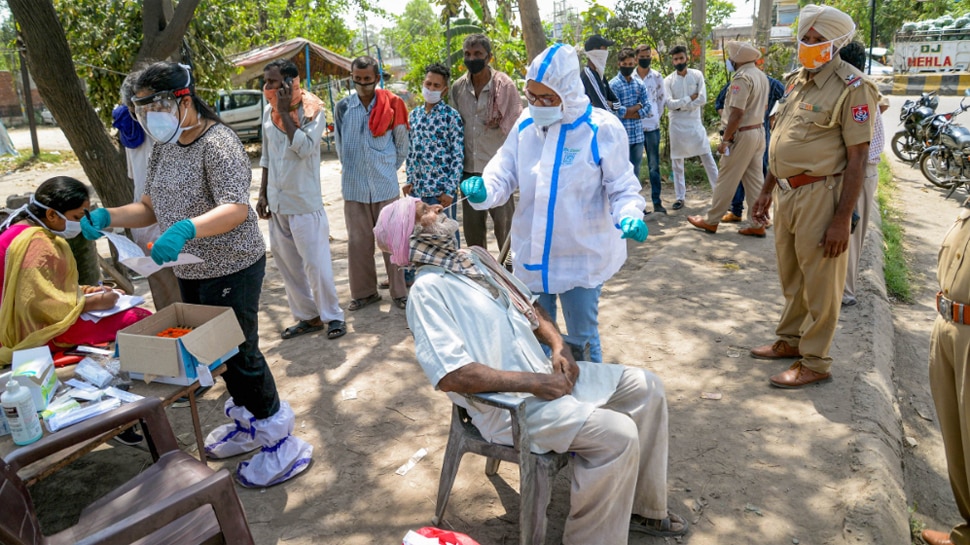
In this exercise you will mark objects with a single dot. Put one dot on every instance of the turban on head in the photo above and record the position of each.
(742, 52)
(831, 23)
(394, 227)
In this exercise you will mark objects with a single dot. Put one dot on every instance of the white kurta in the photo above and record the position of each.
(575, 184)
(456, 321)
(688, 137)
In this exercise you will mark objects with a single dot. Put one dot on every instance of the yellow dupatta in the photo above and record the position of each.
(41, 297)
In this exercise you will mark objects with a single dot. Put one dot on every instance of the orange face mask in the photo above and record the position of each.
(814, 55)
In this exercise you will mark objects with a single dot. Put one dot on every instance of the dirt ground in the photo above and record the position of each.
(815, 466)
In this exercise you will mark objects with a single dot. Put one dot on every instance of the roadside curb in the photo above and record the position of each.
(944, 84)
(880, 513)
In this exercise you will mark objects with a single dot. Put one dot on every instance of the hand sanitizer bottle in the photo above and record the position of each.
(21, 414)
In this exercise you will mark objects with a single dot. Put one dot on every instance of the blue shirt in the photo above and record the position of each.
(436, 152)
(630, 93)
(369, 164)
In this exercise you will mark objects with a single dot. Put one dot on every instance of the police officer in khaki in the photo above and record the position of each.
(949, 367)
(816, 161)
(742, 145)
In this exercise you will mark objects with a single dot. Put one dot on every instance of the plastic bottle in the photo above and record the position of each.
(21, 414)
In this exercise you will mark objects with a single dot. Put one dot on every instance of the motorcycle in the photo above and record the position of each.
(908, 143)
(945, 162)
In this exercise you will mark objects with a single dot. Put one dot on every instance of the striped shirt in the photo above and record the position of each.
(369, 164)
(630, 93)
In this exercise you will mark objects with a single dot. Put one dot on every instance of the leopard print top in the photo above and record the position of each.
(185, 181)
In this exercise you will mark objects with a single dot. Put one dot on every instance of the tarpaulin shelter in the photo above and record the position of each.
(314, 61)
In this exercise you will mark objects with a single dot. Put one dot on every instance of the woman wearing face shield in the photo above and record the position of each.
(197, 190)
(40, 299)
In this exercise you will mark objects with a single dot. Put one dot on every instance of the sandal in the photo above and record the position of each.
(358, 304)
(673, 525)
(384, 285)
(336, 328)
(401, 302)
(301, 328)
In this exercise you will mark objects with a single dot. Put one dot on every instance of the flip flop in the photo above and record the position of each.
(301, 328)
(659, 528)
(358, 304)
(336, 328)
(401, 302)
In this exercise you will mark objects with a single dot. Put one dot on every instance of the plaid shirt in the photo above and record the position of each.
(630, 93)
(878, 138)
(368, 164)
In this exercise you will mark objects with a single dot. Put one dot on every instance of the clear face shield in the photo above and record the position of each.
(158, 113)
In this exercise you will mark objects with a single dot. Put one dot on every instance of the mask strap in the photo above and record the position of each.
(188, 74)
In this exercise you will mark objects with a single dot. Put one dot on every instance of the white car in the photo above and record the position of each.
(878, 68)
(242, 111)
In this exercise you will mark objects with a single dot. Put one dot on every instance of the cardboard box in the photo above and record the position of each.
(34, 370)
(215, 337)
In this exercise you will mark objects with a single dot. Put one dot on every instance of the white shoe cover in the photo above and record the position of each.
(238, 437)
(283, 455)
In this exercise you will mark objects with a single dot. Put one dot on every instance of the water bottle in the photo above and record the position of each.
(21, 414)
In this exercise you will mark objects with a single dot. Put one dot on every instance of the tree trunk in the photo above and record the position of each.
(698, 18)
(50, 63)
(535, 38)
(763, 37)
(163, 28)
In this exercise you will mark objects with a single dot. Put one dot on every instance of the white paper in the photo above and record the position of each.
(81, 385)
(59, 421)
(205, 376)
(414, 538)
(94, 350)
(146, 267)
(85, 395)
(126, 248)
(125, 397)
(413, 461)
(124, 302)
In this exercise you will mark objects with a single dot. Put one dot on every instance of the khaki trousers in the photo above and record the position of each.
(361, 218)
(625, 437)
(949, 383)
(745, 164)
(812, 284)
(867, 203)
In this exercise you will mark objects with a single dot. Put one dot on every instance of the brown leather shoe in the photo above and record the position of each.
(934, 537)
(798, 376)
(753, 231)
(777, 351)
(730, 217)
(699, 222)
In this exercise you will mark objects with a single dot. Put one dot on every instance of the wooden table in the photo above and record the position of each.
(168, 393)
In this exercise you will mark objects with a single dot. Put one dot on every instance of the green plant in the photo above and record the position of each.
(895, 266)
(916, 526)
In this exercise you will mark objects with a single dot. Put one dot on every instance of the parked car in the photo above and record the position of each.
(242, 111)
(47, 117)
(878, 68)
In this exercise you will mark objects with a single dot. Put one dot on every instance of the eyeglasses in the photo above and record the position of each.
(545, 100)
(161, 101)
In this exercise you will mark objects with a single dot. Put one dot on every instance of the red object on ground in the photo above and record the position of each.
(446, 536)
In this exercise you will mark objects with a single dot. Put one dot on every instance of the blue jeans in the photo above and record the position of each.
(636, 156)
(580, 308)
(247, 376)
(651, 142)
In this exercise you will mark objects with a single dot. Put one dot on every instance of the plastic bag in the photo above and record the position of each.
(445, 537)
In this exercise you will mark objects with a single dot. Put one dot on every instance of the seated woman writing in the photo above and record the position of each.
(40, 299)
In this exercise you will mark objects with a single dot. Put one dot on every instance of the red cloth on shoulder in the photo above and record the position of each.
(388, 112)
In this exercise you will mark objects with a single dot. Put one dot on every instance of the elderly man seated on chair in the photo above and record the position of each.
(477, 329)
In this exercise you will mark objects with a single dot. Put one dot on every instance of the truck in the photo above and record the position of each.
(933, 47)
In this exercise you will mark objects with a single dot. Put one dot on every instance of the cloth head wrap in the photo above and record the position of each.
(129, 130)
(742, 52)
(394, 227)
(558, 69)
(831, 23)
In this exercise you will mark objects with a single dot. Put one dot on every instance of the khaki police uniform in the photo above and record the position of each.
(950, 364)
(748, 92)
(815, 121)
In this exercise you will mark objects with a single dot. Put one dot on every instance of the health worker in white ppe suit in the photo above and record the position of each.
(578, 196)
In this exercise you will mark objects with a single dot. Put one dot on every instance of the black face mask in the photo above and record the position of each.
(627, 70)
(644, 63)
(680, 67)
(475, 65)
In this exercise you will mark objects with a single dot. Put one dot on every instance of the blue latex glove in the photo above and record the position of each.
(100, 220)
(474, 189)
(634, 228)
(168, 246)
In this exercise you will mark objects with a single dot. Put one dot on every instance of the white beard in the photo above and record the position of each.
(445, 226)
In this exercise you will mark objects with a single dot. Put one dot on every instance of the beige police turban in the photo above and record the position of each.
(742, 52)
(827, 21)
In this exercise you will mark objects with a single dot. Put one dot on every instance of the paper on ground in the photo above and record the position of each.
(146, 267)
(414, 538)
(413, 461)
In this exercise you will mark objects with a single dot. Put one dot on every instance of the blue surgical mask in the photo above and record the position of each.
(729, 66)
(163, 126)
(545, 116)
